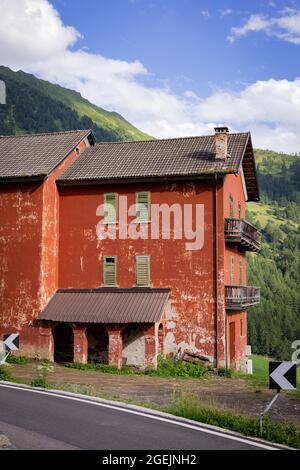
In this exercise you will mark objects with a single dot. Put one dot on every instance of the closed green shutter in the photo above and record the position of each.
(231, 211)
(240, 210)
(241, 273)
(110, 208)
(143, 271)
(232, 270)
(142, 207)
(110, 271)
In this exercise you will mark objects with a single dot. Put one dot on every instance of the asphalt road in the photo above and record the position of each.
(34, 419)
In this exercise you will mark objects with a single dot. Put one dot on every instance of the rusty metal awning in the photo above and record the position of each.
(106, 305)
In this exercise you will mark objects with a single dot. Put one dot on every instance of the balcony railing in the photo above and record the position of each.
(239, 297)
(241, 232)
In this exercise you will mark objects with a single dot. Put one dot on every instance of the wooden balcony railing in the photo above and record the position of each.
(241, 232)
(239, 297)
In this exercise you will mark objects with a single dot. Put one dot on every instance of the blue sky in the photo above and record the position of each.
(171, 67)
(185, 41)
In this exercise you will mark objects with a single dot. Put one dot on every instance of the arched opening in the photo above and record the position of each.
(160, 339)
(97, 337)
(133, 346)
(63, 337)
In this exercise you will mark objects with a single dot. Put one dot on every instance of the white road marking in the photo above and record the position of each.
(145, 415)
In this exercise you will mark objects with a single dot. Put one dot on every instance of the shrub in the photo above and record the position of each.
(167, 367)
(40, 382)
(224, 372)
(4, 375)
(17, 360)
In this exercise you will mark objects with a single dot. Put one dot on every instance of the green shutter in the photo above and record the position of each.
(241, 273)
(143, 207)
(143, 271)
(231, 211)
(240, 210)
(110, 271)
(232, 270)
(110, 208)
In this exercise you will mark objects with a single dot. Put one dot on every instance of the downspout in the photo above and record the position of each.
(216, 270)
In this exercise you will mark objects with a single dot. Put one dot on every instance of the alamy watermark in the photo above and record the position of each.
(160, 221)
(296, 353)
(2, 92)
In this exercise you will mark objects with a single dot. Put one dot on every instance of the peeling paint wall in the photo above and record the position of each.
(189, 274)
(29, 258)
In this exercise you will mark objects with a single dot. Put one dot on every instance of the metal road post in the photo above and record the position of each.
(269, 406)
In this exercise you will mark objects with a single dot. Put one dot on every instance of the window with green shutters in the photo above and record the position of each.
(110, 271)
(231, 211)
(142, 207)
(143, 271)
(232, 270)
(110, 208)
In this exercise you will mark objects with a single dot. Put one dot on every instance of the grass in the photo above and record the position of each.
(188, 406)
(165, 368)
(17, 360)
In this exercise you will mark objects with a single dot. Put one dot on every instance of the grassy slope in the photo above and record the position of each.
(82, 106)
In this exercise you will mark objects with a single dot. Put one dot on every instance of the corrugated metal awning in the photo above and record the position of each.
(106, 305)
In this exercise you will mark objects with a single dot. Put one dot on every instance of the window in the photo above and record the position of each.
(231, 211)
(241, 273)
(240, 210)
(110, 208)
(242, 327)
(143, 271)
(110, 271)
(142, 207)
(232, 270)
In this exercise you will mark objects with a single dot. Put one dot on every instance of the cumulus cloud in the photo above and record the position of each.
(34, 38)
(285, 26)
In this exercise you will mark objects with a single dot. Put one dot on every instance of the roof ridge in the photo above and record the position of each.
(166, 139)
(44, 134)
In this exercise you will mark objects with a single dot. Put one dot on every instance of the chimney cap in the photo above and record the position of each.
(221, 130)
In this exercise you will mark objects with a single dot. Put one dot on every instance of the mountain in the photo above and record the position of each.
(275, 323)
(34, 105)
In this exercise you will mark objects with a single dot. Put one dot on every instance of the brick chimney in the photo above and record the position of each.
(221, 137)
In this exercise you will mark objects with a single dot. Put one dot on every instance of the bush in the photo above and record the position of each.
(40, 382)
(17, 360)
(224, 372)
(187, 405)
(4, 375)
(101, 368)
(167, 367)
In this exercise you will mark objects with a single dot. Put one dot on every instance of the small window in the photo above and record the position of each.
(110, 208)
(110, 271)
(240, 210)
(142, 207)
(231, 211)
(242, 327)
(232, 270)
(143, 271)
(241, 273)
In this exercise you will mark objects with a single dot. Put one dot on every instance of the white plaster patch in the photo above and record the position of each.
(134, 347)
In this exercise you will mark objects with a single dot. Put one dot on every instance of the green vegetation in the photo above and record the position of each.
(169, 368)
(34, 106)
(165, 368)
(275, 323)
(188, 406)
(17, 360)
(4, 375)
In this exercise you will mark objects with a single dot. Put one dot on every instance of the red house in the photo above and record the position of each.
(116, 252)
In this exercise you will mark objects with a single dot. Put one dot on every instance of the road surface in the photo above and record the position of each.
(36, 419)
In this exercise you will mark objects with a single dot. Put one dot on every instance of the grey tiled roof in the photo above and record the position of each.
(36, 155)
(154, 158)
(106, 305)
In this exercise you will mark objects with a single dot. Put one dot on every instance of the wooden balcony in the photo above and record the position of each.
(240, 298)
(240, 232)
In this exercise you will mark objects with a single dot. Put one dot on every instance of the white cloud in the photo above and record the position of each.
(270, 109)
(205, 13)
(226, 12)
(285, 26)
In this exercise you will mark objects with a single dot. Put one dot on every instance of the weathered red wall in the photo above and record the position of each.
(189, 274)
(233, 184)
(29, 257)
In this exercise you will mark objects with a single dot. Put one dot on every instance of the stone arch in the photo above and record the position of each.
(97, 337)
(63, 338)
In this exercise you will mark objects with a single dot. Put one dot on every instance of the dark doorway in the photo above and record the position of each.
(63, 343)
(97, 337)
